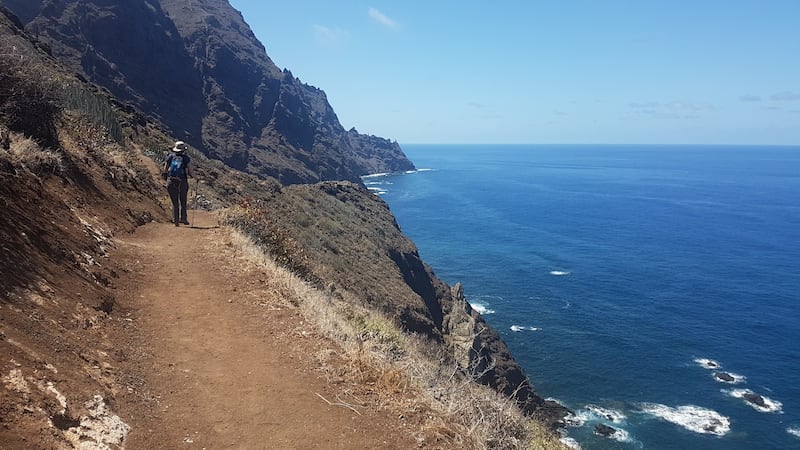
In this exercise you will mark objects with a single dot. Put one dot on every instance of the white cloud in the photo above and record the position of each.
(382, 19)
(330, 37)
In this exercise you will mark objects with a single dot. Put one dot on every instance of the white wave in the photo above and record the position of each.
(424, 170)
(410, 171)
(756, 401)
(518, 328)
(722, 377)
(621, 435)
(606, 413)
(708, 363)
(690, 417)
(559, 273)
(481, 308)
(794, 431)
(594, 414)
(618, 435)
(376, 190)
(575, 420)
(571, 443)
(376, 175)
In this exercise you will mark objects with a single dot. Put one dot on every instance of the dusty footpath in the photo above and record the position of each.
(227, 363)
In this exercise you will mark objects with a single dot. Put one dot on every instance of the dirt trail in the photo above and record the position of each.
(227, 365)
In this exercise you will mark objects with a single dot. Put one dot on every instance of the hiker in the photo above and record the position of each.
(177, 170)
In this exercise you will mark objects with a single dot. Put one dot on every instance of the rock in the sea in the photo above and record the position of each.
(755, 399)
(724, 376)
(604, 430)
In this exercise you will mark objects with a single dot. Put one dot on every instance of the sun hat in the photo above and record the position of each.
(179, 147)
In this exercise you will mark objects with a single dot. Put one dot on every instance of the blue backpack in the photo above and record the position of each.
(176, 167)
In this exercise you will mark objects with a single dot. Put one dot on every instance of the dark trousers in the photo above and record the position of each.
(178, 192)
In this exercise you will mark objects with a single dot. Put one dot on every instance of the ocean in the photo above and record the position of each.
(653, 289)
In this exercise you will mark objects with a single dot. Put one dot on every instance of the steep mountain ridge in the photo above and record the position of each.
(198, 68)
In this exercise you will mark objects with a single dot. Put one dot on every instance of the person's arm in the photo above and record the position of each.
(165, 168)
(190, 170)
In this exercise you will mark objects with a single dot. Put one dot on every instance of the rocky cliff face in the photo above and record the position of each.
(342, 236)
(197, 67)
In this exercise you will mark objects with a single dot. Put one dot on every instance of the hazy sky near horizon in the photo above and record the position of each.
(612, 71)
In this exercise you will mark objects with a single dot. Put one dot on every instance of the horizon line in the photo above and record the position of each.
(599, 144)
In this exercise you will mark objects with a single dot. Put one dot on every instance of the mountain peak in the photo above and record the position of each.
(199, 69)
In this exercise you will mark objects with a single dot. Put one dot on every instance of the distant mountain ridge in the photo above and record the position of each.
(198, 68)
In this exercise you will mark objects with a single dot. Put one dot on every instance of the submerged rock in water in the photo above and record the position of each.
(755, 399)
(724, 376)
(604, 430)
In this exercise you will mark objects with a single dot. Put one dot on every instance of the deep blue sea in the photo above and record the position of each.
(654, 289)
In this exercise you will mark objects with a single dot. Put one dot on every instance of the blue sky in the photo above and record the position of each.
(663, 72)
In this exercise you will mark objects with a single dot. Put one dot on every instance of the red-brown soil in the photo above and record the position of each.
(225, 362)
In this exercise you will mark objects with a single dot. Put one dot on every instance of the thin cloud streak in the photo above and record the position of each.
(330, 37)
(382, 19)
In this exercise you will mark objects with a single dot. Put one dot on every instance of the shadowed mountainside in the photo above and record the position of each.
(198, 68)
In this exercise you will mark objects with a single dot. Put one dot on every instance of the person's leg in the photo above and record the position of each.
(184, 198)
(174, 191)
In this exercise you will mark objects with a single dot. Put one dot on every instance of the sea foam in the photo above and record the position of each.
(571, 443)
(594, 414)
(620, 435)
(754, 400)
(375, 175)
(481, 308)
(606, 413)
(722, 377)
(794, 431)
(690, 417)
(559, 273)
(708, 363)
(376, 190)
(518, 328)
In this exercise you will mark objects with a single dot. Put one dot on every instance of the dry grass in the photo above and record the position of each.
(27, 153)
(410, 375)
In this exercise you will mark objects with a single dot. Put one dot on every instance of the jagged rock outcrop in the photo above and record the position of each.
(199, 69)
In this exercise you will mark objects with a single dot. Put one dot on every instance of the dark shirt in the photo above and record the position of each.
(183, 175)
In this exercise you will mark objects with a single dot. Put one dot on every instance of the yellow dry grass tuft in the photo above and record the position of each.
(27, 153)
